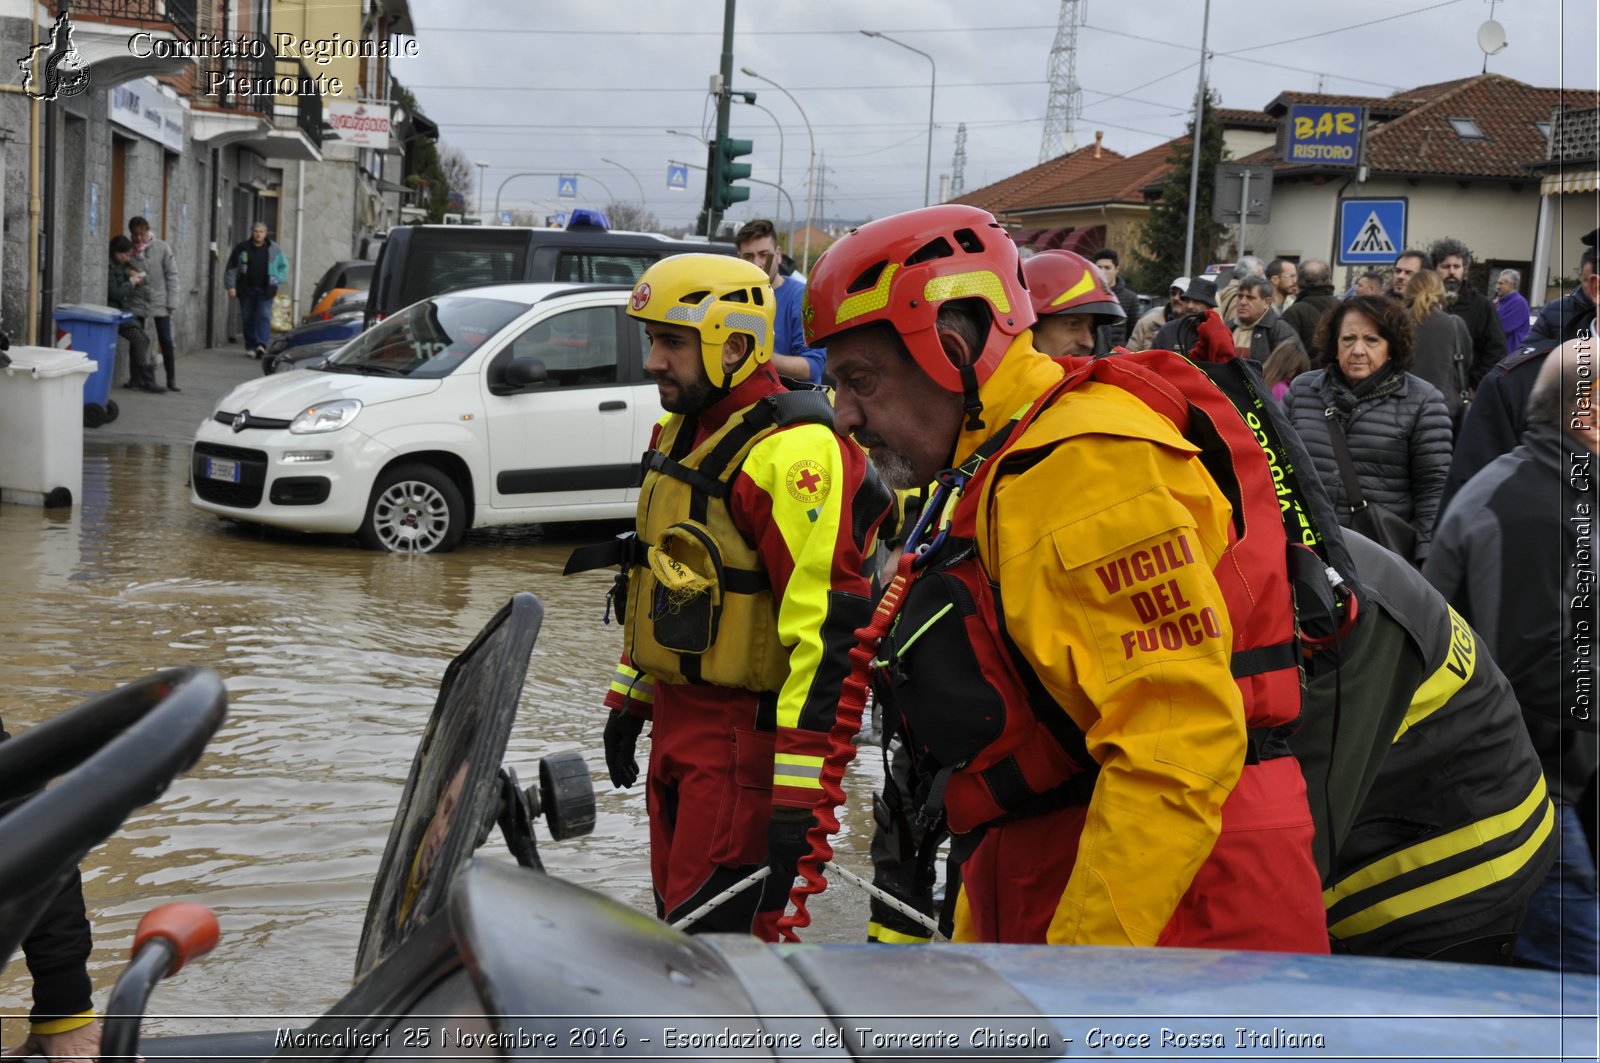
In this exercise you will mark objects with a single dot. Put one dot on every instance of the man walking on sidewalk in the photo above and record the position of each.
(255, 269)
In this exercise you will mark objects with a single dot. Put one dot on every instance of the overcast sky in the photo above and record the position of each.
(533, 85)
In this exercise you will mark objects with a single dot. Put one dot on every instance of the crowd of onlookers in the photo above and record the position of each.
(1465, 421)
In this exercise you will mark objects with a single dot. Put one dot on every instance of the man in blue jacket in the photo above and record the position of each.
(255, 269)
(757, 242)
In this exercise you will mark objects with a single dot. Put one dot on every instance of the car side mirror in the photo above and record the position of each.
(526, 372)
(520, 375)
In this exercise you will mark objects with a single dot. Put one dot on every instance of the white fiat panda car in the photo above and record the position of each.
(511, 404)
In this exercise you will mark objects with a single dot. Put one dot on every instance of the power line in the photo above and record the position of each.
(1365, 24)
(653, 88)
(501, 31)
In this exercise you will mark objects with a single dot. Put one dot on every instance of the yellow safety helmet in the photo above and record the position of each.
(716, 295)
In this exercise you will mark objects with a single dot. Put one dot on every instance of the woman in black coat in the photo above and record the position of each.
(1396, 424)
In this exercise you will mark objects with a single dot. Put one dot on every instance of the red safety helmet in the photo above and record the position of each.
(900, 269)
(1063, 282)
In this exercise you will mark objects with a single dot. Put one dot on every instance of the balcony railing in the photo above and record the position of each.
(303, 110)
(232, 82)
(179, 14)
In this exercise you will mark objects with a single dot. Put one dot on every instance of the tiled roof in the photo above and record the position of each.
(1378, 106)
(1234, 117)
(1420, 140)
(1010, 192)
(1075, 179)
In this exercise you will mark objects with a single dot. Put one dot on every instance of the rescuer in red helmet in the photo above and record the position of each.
(1073, 303)
(1061, 653)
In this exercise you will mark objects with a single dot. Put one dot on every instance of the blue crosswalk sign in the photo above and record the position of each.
(1372, 232)
(677, 176)
(505, 217)
(567, 188)
(559, 217)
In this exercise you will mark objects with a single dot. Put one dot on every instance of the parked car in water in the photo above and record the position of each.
(290, 346)
(514, 404)
(351, 274)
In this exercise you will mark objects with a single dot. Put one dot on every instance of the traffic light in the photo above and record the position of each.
(726, 171)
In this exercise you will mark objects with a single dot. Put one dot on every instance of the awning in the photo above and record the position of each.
(1570, 182)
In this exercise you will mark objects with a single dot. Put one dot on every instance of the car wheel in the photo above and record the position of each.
(414, 509)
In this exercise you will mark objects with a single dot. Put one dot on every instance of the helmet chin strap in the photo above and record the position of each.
(970, 403)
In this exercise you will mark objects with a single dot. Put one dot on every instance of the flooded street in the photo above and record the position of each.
(332, 658)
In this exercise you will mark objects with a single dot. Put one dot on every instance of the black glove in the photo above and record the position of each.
(786, 844)
(622, 734)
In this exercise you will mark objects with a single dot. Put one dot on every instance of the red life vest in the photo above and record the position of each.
(980, 723)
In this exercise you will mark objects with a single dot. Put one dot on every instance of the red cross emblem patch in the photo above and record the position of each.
(641, 296)
(808, 481)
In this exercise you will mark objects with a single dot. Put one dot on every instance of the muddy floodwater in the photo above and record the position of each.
(332, 658)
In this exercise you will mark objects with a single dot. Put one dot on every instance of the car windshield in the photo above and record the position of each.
(426, 339)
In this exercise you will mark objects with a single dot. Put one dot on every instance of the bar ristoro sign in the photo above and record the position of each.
(1324, 136)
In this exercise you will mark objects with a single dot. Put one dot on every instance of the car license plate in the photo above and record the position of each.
(217, 469)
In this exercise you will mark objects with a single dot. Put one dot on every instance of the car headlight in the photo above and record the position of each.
(325, 417)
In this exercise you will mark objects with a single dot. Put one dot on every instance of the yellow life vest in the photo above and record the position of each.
(699, 603)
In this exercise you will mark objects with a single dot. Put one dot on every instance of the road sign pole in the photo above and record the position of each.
(1244, 209)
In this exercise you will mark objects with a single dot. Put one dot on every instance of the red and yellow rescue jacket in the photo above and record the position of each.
(1119, 558)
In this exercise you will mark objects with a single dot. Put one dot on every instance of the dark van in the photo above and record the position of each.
(422, 260)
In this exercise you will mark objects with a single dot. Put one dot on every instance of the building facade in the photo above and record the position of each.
(203, 116)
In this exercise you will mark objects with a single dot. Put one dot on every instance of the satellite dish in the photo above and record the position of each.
(1491, 37)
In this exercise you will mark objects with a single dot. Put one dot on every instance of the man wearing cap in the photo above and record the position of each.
(1316, 299)
(743, 587)
(1144, 333)
(1020, 635)
(1181, 333)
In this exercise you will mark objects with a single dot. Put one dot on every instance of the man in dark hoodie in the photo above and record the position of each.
(1515, 558)
(1452, 259)
(1315, 299)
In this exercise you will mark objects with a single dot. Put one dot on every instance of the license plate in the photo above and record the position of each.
(217, 469)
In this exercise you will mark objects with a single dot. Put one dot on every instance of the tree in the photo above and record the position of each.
(1166, 229)
(457, 173)
(422, 163)
(631, 216)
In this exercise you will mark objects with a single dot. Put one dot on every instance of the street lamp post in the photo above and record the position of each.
(811, 166)
(547, 173)
(630, 173)
(933, 80)
(482, 168)
(779, 124)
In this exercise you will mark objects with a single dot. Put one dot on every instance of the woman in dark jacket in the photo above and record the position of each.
(1396, 424)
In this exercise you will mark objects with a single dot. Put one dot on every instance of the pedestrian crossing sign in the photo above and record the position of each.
(1372, 232)
(567, 188)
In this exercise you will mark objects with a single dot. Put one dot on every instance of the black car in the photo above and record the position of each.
(425, 260)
